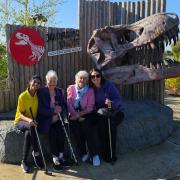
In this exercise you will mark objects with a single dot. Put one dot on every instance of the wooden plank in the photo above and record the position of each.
(142, 9)
(123, 20)
(147, 8)
(2, 102)
(6, 101)
(163, 6)
(114, 13)
(10, 72)
(119, 9)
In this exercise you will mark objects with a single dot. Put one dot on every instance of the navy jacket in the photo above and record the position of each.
(108, 90)
(45, 112)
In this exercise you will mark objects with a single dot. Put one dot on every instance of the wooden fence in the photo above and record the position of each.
(92, 14)
(65, 65)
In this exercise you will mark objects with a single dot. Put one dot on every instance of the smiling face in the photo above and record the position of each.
(34, 85)
(95, 78)
(51, 82)
(81, 81)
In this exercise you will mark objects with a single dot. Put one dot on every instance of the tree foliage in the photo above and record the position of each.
(176, 50)
(3, 62)
(173, 84)
(24, 12)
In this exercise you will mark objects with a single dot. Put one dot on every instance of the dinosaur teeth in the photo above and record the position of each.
(174, 39)
(152, 45)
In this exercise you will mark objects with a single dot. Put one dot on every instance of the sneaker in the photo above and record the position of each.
(38, 160)
(64, 163)
(85, 157)
(57, 167)
(24, 167)
(96, 160)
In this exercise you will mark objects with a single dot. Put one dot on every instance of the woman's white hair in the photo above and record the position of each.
(51, 74)
(82, 74)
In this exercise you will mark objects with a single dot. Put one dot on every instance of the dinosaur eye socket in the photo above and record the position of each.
(141, 31)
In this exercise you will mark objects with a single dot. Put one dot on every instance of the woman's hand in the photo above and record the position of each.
(108, 102)
(57, 109)
(75, 117)
(31, 123)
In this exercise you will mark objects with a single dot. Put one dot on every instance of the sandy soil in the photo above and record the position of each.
(158, 162)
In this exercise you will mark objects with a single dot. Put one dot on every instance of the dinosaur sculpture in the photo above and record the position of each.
(111, 44)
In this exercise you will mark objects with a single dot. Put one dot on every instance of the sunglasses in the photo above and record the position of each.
(95, 76)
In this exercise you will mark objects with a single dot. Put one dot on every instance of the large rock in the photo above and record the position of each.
(146, 123)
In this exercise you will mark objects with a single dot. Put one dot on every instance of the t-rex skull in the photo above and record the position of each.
(110, 43)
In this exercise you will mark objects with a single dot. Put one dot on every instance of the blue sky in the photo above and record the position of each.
(68, 16)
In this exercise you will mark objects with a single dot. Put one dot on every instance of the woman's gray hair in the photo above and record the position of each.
(51, 74)
(82, 74)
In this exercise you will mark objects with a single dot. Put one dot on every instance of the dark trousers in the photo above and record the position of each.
(30, 138)
(104, 135)
(56, 138)
(84, 134)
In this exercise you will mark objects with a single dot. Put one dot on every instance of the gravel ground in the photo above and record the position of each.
(157, 162)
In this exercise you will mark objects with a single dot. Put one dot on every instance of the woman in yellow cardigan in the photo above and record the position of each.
(24, 122)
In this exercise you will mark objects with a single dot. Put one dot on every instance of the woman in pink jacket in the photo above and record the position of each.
(80, 100)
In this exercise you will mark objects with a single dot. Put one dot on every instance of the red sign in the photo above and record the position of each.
(26, 46)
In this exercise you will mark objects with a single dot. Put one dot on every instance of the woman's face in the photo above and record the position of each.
(81, 81)
(52, 83)
(34, 84)
(95, 78)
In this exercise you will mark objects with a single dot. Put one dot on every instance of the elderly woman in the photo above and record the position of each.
(80, 99)
(24, 122)
(51, 102)
(107, 97)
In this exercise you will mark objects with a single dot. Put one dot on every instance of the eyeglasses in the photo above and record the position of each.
(95, 76)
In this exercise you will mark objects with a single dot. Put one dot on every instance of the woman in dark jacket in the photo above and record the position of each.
(106, 96)
(51, 103)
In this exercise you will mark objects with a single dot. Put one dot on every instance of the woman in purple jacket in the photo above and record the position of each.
(51, 103)
(107, 96)
(80, 101)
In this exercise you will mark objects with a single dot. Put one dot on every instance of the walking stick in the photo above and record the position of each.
(40, 147)
(67, 137)
(110, 139)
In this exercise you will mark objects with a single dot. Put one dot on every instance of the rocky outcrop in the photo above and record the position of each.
(146, 123)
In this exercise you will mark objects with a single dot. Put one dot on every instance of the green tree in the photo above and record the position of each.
(176, 50)
(28, 12)
(173, 84)
(24, 12)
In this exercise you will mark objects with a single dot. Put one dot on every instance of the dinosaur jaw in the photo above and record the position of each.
(132, 74)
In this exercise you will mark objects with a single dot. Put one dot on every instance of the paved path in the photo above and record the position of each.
(158, 162)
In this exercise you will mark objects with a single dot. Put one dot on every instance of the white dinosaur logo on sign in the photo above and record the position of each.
(37, 51)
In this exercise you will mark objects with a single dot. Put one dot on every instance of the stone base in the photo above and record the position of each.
(146, 123)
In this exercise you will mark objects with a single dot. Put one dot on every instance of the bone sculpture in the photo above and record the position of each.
(110, 44)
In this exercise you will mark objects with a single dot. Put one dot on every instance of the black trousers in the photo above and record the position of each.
(30, 138)
(104, 135)
(56, 138)
(84, 134)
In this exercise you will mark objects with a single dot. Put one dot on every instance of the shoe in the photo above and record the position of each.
(57, 167)
(38, 160)
(85, 157)
(96, 160)
(24, 167)
(64, 163)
